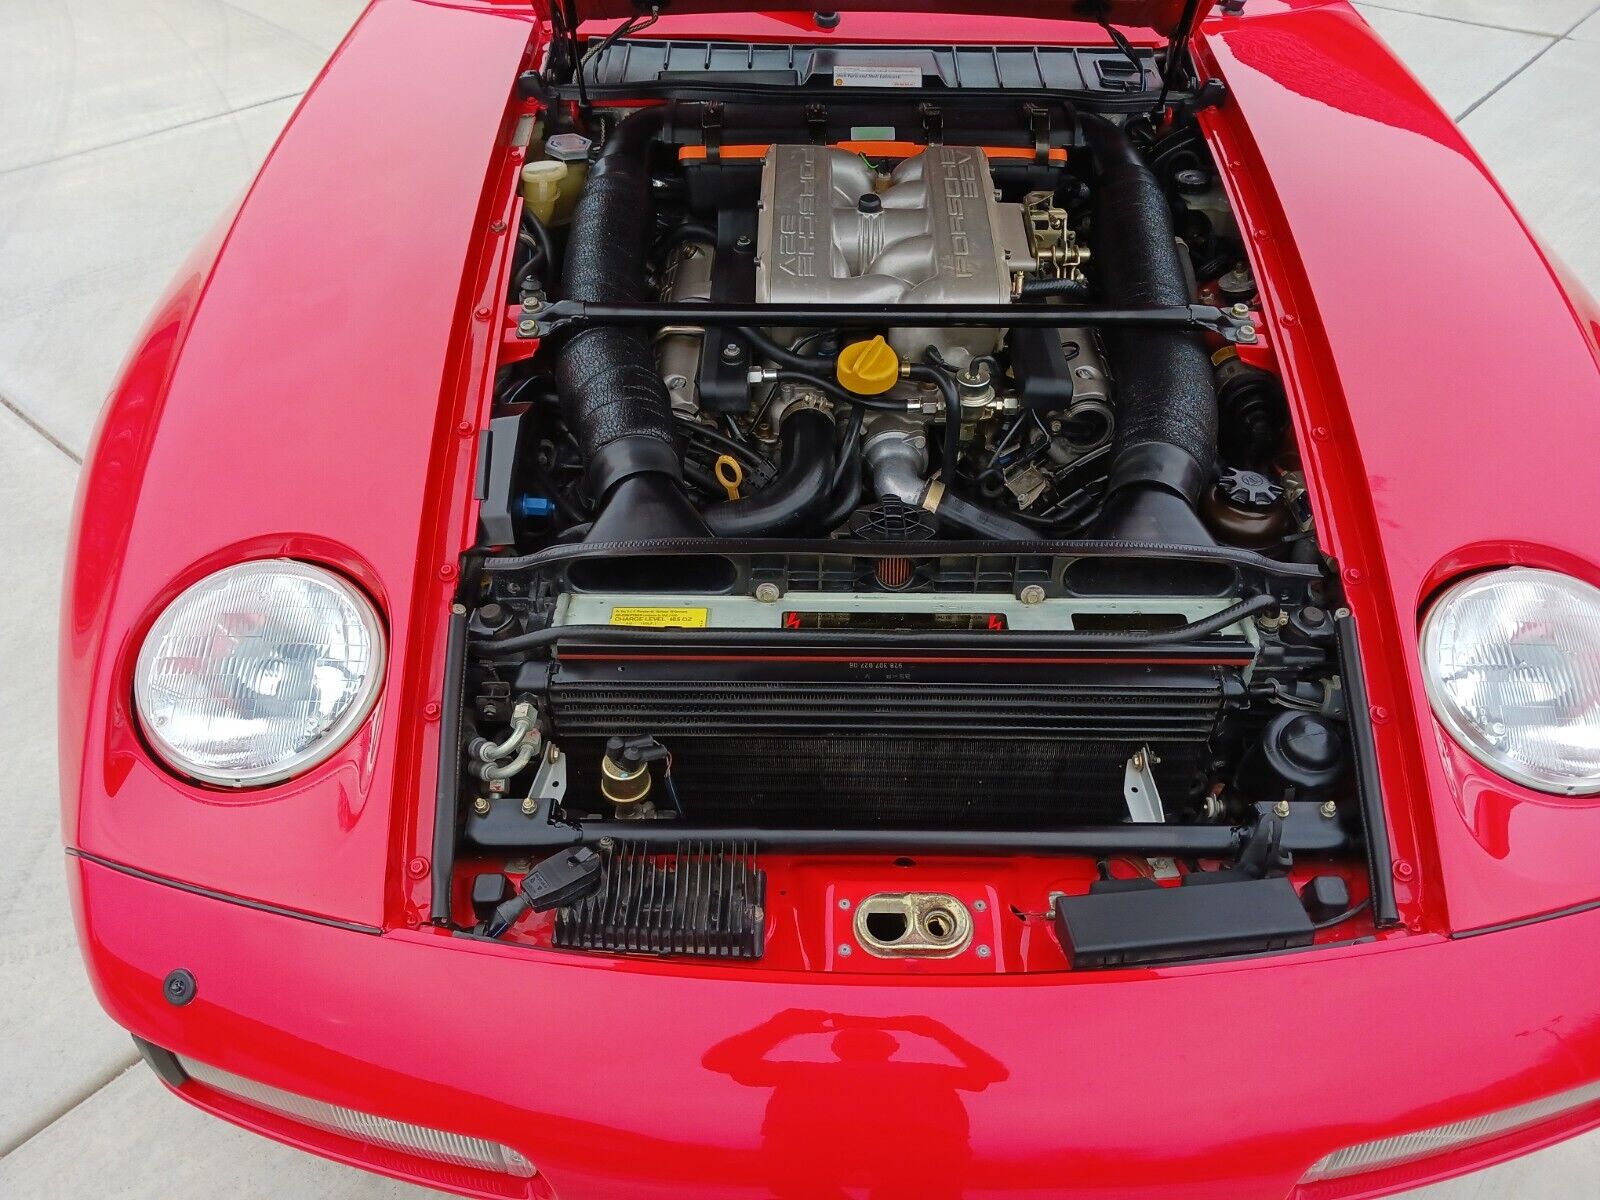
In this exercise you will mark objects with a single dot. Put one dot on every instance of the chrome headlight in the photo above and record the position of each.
(1511, 660)
(258, 672)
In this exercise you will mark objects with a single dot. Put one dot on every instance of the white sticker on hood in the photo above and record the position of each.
(877, 77)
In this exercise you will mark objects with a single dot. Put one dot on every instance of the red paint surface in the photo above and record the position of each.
(326, 359)
(1448, 449)
(811, 903)
(1159, 15)
(627, 1080)
(302, 391)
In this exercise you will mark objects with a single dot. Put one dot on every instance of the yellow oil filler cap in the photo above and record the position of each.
(868, 368)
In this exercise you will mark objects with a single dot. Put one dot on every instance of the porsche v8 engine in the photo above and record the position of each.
(832, 228)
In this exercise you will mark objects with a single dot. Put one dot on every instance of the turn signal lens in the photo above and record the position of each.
(435, 1144)
(1511, 660)
(1407, 1147)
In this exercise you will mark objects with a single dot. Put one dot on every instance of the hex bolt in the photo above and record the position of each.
(527, 328)
(1032, 594)
(530, 806)
(1281, 809)
(481, 806)
(731, 352)
(742, 242)
(768, 593)
(1329, 809)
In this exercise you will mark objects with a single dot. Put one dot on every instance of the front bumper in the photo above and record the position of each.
(641, 1079)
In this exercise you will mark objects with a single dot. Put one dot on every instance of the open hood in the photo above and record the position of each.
(1166, 17)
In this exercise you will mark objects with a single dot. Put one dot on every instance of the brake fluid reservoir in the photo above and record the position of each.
(541, 187)
(572, 151)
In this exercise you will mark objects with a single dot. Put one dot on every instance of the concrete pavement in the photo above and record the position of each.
(127, 127)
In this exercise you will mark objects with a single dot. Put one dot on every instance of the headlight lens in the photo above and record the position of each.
(258, 672)
(1511, 660)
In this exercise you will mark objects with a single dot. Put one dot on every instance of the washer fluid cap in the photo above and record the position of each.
(869, 368)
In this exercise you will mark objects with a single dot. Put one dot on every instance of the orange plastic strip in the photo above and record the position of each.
(870, 149)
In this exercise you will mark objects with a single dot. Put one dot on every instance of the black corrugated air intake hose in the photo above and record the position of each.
(1166, 443)
(613, 398)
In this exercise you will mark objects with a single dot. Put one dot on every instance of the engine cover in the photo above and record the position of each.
(832, 229)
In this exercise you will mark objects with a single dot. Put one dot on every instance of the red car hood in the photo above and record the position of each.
(334, 362)
(1163, 16)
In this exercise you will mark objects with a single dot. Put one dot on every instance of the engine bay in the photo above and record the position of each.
(894, 552)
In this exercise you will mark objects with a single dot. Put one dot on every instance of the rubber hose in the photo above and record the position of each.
(836, 391)
(782, 355)
(980, 522)
(613, 398)
(1166, 440)
(844, 501)
(794, 498)
(1068, 289)
(951, 452)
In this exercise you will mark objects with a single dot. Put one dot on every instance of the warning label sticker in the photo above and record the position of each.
(660, 618)
(877, 77)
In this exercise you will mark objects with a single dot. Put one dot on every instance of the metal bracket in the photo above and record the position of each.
(711, 130)
(817, 123)
(932, 123)
(549, 782)
(1139, 789)
(1039, 125)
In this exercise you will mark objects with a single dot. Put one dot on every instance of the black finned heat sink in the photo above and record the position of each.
(706, 899)
(1016, 747)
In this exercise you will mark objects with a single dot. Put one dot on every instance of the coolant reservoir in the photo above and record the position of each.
(541, 187)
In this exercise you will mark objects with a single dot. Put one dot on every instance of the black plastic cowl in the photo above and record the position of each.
(1166, 442)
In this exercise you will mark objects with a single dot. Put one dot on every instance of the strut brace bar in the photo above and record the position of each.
(544, 319)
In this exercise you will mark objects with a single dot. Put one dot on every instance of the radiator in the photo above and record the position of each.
(855, 744)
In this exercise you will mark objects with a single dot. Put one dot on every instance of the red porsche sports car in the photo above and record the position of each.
(995, 601)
